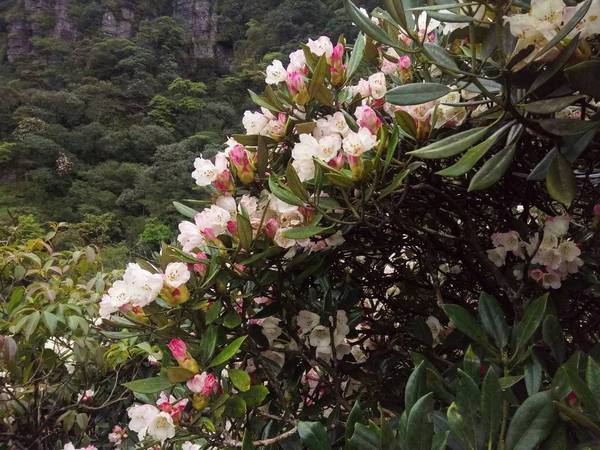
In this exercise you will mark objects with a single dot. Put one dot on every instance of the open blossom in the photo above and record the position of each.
(86, 395)
(171, 405)
(331, 124)
(297, 61)
(321, 46)
(276, 73)
(377, 85)
(271, 329)
(176, 274)
(448, 115)
(356, 144)
(366, 117)
(140, 418)
(187, 445)
(306, 321)
(213, 220)
(204, 172)
(254, 122)
(117, 435)
(161, 427)
(558, 226)
(203, 383)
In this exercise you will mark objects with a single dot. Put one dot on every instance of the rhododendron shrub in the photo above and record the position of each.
(383, 190)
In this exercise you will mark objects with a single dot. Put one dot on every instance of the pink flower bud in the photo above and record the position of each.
(597, 210)
(232, 227)
(271, 227)
(295, 82)
(337, 56)
(337, 162)
(404, 62)
(204, 383)
(178, 349)
(199, 268)
(367, 118)
(224, 182)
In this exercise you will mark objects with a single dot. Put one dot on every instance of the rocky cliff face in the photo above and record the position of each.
(50, 18)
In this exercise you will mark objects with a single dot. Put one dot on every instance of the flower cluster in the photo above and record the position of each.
(554, 258)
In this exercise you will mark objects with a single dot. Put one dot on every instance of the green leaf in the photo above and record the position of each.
(19, 272)
(551, 105)
(464, 321)
(440, 441)
(493, 169)
(149, 385)
(261, 101)
(366, 438)
(415, 387)
(232, 320)
(396, 10)
(294, 183)
(509, 381)
(439, 56)
(533, 375)
(467, 393)
(50, 321)
(581, 12)
(555, 66)
(592, 378)
(392, 147)
(451, 145)
(247, 441)
(469, 159)
(416, 93)
(255, 396)
(553, 337)
(492, 319)
(236, 407)
(313, 435)
(179, 374)
(399, 179)
(491, 405)
(534, 314)
(369, 28)
(459, 427)
(318, 76)
(304, 232)
(213, 312)
(228, 352)
(560, 181)
(568, 127)
(583, 77)
(532, 423)
(419, 429)
(185, 211)
(27, 324)
(282, 193)
(262, 156)
(244, 230)
(208, 343)
(356, 415)
(356, 56)
(240, 379)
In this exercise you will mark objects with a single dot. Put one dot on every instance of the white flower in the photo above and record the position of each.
(497, 256)
(306, 321)
(226, 202)
(161, 428)
(435, 327)
(249, 204)
(187, 445)
(69, 446)
(205, 172)
(297, 61)
(176, 274)
(141, 416)
(320, 336)
(392, 291)
(306, 148)
(322, 46)
(190, 236)
(450, 116)
(138, 288)
(214, 218)
(569, 251)
(551, 280)
(590, 24)
(377, 85)
(305, 169)
(509, 240)
(558, 226)
(271, 329)
(359, 354)
(341, 328)
(254, 122)
(329, 147)
(355, 144)
(86, 395)
(276, 73)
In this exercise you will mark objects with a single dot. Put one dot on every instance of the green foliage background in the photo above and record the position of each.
(128, 116)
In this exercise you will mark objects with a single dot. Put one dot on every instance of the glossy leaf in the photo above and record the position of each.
(419, 430)
(304, 232)
(551, 105)
(415, 387)
(451, 145)
(534, 314)
(492, 319)
(469, 159)
(313, 436)
(439, 56)
(356, 56)
(228, 352)
(532, 423)
(553, 336)
(568, 127)
(416, 93)
(560, 181)
(566, 29)
(364, 24)
(555, 66)
(491, 405)
(184, 210)
(240, 379)
(356, 415)
(282, 193)
(583, 77)
(533, 375)
(149, 385)
(464, 321)
(493, 169)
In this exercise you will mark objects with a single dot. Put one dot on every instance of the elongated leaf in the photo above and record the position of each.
(439, 56)
(532, 423)
(509, 381)
(313, 435)
(583, 77)
(491, 405)
(555, 66)
(399, 179)
(149, 385)
(356, 415)
(304, 232)
(244, 230)
(262, 101)
(356, 56)
(492, 318)
(560, 181)
(440, 440)
(592, 378)
(551, 105)
(564, 31)
(294, 183)
(568, 127)
(451, 145)
(533, 375)
(184, 210)
(228, 352)
(416, 93)
(392, 146)
(179, 374)
(464, 321)
(467, 394)
(469, 159)
(50, 321)
(541, 169)
(247, 441)
(553, 337)
(460, 428)
(493, 169)
(396, 10)
(365, 438)
(419, 430)
(369, 28)
(415, 387)
(318, 77)
(282, 193)
(534, 314)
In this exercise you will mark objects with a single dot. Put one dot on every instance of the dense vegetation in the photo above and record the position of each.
(103, 130)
